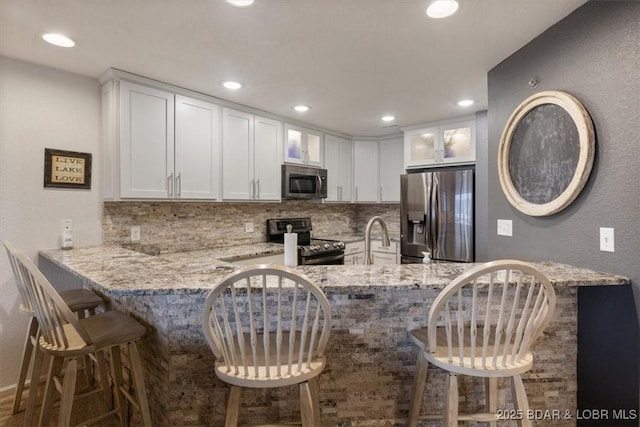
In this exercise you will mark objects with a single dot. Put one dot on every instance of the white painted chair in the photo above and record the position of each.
(483, 325)
(66, 339)
(83, 302)
(268, 327)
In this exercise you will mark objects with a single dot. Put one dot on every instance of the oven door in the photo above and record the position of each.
(323, 259)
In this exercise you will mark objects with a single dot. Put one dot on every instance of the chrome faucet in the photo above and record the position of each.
(367, 238)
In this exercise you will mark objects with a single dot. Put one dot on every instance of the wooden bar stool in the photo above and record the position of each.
(80, 301)
(66, 339)
(268, 327)
(483, 325)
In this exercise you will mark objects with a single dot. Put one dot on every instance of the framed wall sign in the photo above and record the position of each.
(546, 153)
(67, 169)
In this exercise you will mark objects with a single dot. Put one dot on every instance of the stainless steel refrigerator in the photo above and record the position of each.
(437, 215)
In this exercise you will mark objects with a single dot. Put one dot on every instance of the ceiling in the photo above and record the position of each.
(352, 61)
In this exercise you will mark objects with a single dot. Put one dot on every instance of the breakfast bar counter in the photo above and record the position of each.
(370, 358)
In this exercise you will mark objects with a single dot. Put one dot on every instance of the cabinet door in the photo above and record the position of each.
(332, 163)
(294, 151)
(391, 167)
(365, 171)
(313, 145)
(197, 162)
(237, 155)
(346, 170)
(146, 142)
(303, 146)
(458, 142)
(420, 147)
(267, 160)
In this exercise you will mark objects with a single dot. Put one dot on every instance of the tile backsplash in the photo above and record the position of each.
(167, 227)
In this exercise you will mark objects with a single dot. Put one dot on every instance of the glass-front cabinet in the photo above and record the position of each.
(303, 146)
(440, 144)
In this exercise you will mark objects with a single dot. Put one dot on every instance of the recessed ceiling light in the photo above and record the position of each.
(240, 3)
(302, 108)
(388, 118)
(465, 102)
(231, 85)
(58, 40)
(442, 8)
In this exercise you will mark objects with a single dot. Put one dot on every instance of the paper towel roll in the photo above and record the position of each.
(291, 249)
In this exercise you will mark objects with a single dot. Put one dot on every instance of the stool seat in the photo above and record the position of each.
(81, 299)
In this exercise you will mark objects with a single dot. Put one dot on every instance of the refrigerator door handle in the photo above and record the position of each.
(434, 214)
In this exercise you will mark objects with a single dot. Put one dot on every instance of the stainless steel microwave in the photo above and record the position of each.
(303, 182)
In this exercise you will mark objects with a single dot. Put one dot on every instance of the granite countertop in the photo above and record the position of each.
(116, 270)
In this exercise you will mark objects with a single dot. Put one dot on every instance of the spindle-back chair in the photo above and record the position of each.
(483, 324)
(268, 327)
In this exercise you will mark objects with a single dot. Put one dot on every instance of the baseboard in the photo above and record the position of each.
(7, 391)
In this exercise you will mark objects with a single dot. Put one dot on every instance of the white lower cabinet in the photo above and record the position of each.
(354, 253)
(384, 255)
(251, 153)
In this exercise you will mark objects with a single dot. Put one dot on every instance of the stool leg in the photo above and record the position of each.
(417, 390)
(520, 400)
(55, 367)
(36, 372)
(491, 393)
(138, 378)
(451, 407)
(306, 405)
(116, 374)
(315, 398)
(68, 392)
(104, 379)
(27, 354)
(233, 407)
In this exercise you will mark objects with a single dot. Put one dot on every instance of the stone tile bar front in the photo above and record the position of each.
(371, 359)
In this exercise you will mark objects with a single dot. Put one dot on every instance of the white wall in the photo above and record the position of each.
(41, 107)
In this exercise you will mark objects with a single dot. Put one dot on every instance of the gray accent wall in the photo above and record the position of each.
(593, 54)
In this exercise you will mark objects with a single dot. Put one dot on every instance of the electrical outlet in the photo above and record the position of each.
(607, 239)
(505, 227)
(135, 234)
(248, 227)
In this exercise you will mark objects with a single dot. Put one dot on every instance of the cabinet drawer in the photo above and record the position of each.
(354, 247)
(383, 259)
(376, 246)
(354, 259)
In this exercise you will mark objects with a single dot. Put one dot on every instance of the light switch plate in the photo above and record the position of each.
(607, 239)
(505, 227)
(248, 227)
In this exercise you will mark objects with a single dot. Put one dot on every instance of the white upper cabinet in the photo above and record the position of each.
(268, 158)
(251, 163)
(391, 167)
(441, 143)
(339, 165)
(197, 149)
(303, 146)
(159, 145)
(146, 142)
(365, 168)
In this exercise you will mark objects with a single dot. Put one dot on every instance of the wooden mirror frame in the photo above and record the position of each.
(586, 137)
